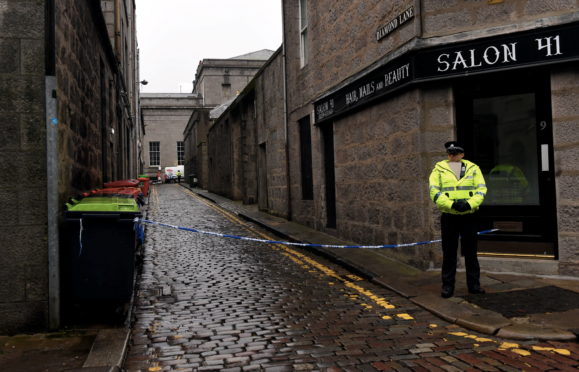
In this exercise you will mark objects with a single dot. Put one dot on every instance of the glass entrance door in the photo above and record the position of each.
(504, 122)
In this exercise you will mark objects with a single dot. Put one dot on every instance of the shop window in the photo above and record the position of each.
(306, 158)
(154, 153)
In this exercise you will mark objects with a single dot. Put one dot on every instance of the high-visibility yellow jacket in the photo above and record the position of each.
(446, 188)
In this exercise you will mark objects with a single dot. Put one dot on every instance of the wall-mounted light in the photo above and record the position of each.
(144, 82)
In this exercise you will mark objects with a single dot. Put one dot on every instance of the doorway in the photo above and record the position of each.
(262, 198)
(504, 122)
(330, 174)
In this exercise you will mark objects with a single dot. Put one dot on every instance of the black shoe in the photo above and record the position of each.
(447, 292)
(477, 290)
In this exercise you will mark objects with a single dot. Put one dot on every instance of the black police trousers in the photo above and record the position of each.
(452, 227)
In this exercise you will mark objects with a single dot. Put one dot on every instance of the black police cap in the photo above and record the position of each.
(452, 147)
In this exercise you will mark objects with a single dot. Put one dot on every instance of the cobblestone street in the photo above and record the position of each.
(207, 303)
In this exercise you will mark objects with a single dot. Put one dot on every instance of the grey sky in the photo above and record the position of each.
(174, 35)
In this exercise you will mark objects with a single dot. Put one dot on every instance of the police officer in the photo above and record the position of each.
(458, 188)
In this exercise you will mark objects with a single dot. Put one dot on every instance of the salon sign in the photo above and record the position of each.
(531, 48)
(545, 46)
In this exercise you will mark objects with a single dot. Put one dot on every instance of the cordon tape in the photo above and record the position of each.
(140, 220)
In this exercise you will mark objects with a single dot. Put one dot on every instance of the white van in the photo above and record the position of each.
(171, 173)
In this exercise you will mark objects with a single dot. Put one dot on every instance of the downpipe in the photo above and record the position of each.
(54, 295)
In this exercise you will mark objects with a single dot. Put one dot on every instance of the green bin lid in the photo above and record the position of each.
(105, 204)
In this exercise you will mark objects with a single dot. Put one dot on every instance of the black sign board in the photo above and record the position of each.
(380, 81)
(537, 47)
(524, 49)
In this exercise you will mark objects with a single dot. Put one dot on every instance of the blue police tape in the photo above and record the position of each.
(137, 220)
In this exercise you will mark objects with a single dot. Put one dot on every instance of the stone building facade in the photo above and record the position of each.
(165, 116)
(195, 138)
(246, 143)
(121, 23)
(218, 82)
(374, 89)
(414, 75)
(67, 129)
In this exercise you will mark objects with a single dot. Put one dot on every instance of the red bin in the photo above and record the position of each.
(122, 183)
(144, 185)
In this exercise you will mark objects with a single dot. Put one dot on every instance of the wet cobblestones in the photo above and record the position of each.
(212, 304)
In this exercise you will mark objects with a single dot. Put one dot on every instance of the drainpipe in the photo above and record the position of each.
(285, 115)
(118, 29)
(418, 18)
(52, 170)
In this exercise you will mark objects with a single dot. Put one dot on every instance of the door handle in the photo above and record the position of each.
(544, 157)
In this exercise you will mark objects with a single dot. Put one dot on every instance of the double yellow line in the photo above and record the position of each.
(371, 300)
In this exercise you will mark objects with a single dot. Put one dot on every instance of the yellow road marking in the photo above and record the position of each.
(404, 316)
(521, 352)
(301, 258)
(513, 347)
(355, 278)
(508, 345)
(558, 351)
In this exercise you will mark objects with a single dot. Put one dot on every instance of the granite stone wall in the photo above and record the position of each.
(93, 137)
(271, 136)
(253, 122)
(195, 138)
(447, 17)
(383, 156)
(220, 138)
(93, 131)
(564, 98)
(232, 151)
(23, 230)
(341, 43)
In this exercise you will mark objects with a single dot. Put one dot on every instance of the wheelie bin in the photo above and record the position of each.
(98, 255)
(122, 183)
(121, 192)
(140, 183)
(144, 184)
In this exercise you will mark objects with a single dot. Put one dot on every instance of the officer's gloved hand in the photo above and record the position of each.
(466, 206)
(461, 206)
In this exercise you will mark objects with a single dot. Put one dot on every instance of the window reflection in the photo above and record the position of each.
(506, 148)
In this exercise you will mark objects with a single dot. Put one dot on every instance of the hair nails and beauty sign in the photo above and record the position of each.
(379, 82)
(518, 50)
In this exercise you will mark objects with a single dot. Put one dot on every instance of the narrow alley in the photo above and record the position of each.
(208, 303)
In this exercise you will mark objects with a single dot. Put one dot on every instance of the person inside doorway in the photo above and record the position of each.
(458, 188)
